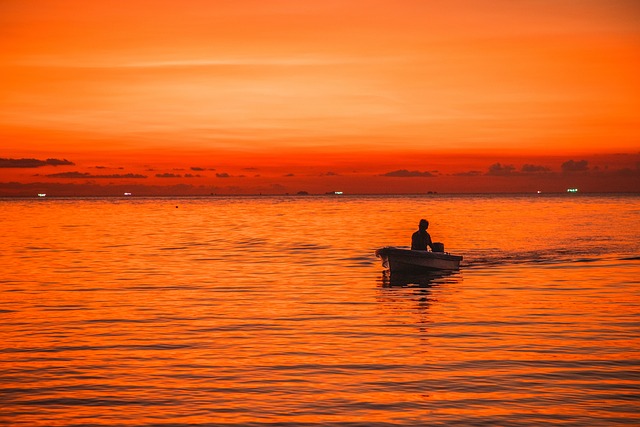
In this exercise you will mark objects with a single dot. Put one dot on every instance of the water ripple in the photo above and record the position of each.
(110, 319)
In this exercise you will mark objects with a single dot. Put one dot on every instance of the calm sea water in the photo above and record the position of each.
(274, 311)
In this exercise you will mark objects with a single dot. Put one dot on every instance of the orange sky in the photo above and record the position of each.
(282, 96)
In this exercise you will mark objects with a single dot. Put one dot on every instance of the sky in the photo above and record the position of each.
(287, 96)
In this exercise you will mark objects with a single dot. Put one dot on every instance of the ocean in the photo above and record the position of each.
(274, 311)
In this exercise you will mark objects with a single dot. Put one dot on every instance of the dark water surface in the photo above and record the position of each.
(273, 311)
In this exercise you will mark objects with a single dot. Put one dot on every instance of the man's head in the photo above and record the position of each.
(424, 224)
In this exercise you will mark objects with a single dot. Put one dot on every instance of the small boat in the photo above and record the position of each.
(407, 260)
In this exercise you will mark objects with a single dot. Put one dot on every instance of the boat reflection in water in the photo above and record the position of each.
(424, 279)
(408, 298)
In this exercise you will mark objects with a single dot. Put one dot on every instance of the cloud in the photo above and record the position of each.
(288, 175)
(107, 167)
(119, 175)
(497, 169)
(197, 169)
(329, 174)
(58, 162)
(573, 166)
(627, 172)
(75, 175)
(404, 173)
(190, 175)
(69, 175)
(168, 175)
(223, 175)
(33, 163)
(527, 168)
(469, 173)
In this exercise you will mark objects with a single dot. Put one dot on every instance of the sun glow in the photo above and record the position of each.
(355, 88)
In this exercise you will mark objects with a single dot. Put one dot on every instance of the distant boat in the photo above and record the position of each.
(407, 260)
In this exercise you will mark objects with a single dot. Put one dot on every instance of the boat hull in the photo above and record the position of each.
(407, 260)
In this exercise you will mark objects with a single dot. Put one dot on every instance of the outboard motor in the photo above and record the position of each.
(438, 247)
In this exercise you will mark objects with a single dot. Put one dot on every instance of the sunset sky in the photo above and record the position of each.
(281, 96)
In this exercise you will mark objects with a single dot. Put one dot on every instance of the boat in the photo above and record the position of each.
(407, 260)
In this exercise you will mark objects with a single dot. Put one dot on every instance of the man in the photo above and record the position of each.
(421, 239)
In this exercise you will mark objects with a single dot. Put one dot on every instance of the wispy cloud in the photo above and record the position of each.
(219, 61)
(76, 175)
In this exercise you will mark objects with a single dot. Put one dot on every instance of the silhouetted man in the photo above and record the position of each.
(421, 239)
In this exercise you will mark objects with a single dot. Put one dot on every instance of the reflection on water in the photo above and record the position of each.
(275, 311)
(423, 279)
